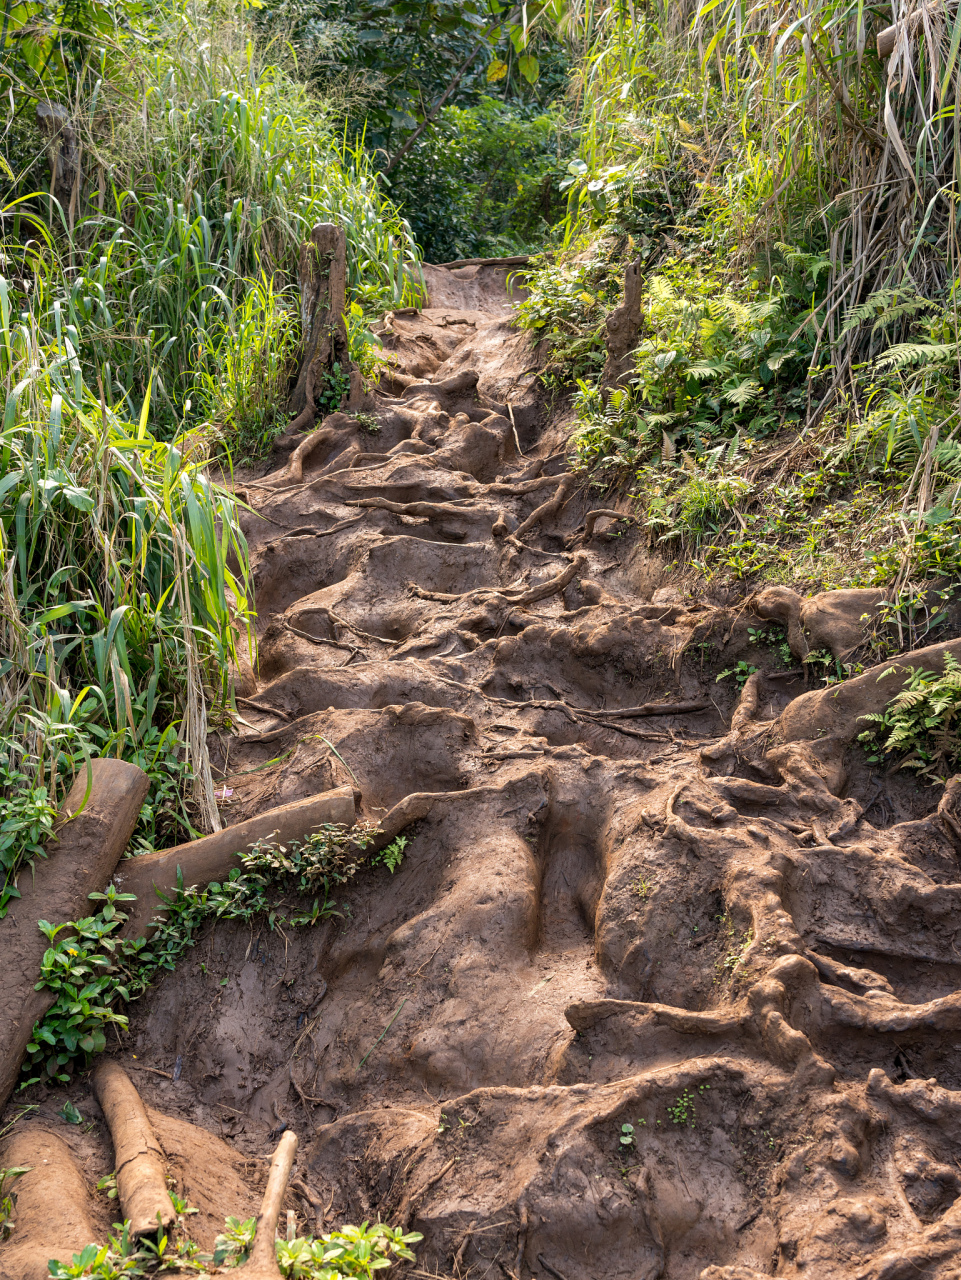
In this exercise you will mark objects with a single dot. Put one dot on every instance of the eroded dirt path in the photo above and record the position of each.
(606, 916)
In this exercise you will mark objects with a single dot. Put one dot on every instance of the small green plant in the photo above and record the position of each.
(351, 1251)
(335, 386)
(392, 856)
(366, 352)
(773, 637)
(682, 1110)
(368, 422)
(736, 944)
(920, 723)
(234, 1243)
(627, 1135)
(70, 1113)
(741, 671)
(8, 1198)
(832, 670)
(120, 1257)
(643, 886)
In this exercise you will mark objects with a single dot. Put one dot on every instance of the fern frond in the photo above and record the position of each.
(917, 354)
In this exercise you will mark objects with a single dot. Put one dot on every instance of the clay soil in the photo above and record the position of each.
(630, 896)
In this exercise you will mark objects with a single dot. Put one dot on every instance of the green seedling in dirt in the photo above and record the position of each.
(181, 1207)
(108, 1183)
(627, 1135)
(368, 422)
(392, 856)
(682, 1110)
(774, 638)
(741, 671)
(643, 887)
(235, 1241)
(70, 1113)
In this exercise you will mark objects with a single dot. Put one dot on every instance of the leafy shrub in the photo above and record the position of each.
(567, 304)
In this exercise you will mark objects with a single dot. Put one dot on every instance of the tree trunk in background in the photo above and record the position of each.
(63, 153)
(323, 301)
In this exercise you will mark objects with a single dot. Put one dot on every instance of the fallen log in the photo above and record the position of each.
(90, 842)
(137, 1155)
(262, 1263)
(214, 857)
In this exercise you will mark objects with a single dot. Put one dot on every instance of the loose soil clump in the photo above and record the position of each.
(667, 984)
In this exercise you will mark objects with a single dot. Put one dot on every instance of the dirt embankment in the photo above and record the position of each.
(665, 986)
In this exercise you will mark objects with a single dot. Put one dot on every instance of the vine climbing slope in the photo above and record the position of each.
(668, 983)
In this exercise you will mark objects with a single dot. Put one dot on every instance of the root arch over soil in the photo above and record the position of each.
(668, 983)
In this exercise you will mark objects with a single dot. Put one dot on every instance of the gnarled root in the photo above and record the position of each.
(549, 508)
(138, 1158)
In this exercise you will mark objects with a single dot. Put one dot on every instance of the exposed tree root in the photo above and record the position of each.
(138, 1157)
(213, 857)
(93, 831)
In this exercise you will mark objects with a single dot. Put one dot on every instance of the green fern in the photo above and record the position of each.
(920, 723)
(929, 355)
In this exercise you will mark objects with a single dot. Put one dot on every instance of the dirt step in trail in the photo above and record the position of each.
(626, 898)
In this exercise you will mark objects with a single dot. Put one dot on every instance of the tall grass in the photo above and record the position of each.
(204, 167)
(118, 605)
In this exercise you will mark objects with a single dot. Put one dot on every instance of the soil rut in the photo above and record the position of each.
(625, 899)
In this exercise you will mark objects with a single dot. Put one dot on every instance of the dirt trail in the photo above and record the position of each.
(710, 923)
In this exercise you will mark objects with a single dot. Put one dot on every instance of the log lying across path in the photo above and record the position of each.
(137, 1155)
(79, 862)
(214, 857)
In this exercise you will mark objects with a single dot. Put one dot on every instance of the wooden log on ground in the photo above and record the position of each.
(137, 1155)
(323, 300)
(214, 857)
(262, 1263)
(80, 862)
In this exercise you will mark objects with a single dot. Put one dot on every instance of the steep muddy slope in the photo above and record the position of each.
(651, 994)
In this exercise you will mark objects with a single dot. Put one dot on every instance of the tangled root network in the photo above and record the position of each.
(667, 984)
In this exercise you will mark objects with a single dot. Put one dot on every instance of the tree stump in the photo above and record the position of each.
(624, 327)
(322, 272)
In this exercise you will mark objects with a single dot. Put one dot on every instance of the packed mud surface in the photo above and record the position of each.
(667, 984)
